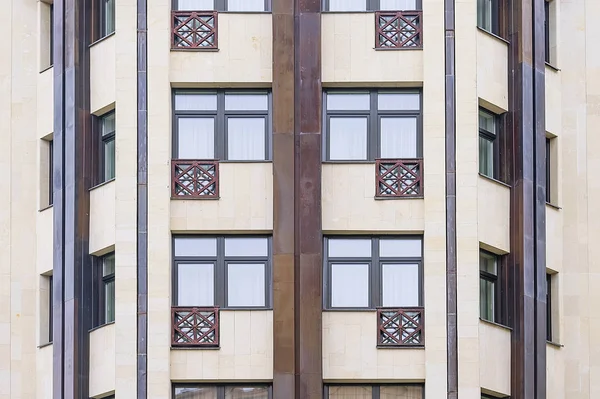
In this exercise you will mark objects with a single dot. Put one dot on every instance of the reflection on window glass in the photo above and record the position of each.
(351, 392)
(196, 393)
(246, 393)
(349, 285)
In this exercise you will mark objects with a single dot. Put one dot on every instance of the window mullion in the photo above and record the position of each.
(220, 127)
(373, 133)
(220, 274)
(376, 274)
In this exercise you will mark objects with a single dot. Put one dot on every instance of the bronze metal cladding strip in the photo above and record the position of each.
(142, 200)
(308, 233)
(283, 200)
(77, 171)
(451, 256)
(58, 203)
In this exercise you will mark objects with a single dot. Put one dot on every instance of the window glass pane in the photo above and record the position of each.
(109, 159)
(246, 392)
(486, 299)
(246, 284)
(108, 265)
(247, 102)
(195, 246)
(487, 122)
(400, 284)
(196, 138)
(399, 101)
(195, 101)
(487, 263)
(246, 138)
(195, 284)
(195, 393)
(109, 301)
(109, 16)
(400, 392)
(398, 137)
(349, 248)
(349, 285)
(400, 247)
(247, 246)
(350, 392)
(192, 5)
(108, 124)
(486, 157)
(348, 101)
(347, 138)
(484, 14)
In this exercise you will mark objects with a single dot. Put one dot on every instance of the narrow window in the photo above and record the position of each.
(50, 172)
(221, 125)
(548, 307)
(108, 283)
(548, 171)
(50, 309)
(488, 144)
(229, 272)
(107, 17)
(547, 29)
(107, 147)
(488, 286)
(488, 15)
(51, 35)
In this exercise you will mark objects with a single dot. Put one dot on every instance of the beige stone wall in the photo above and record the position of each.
(492, 71)
(244, 55)
(44, 373)
(350, 351)
(45, 103)
(553, 101)
(348, 54)
(349, 203)
(494, 358)
(103, 74)
(102, 218)
(102, 361)
(493, 214)
(245, 203)
(245, 353)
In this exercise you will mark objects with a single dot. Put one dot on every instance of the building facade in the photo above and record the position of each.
(299, 199)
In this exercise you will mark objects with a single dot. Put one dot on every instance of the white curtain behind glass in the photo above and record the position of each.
(195, 102)
(350, 392)
(246, 284)
(196, 393)
(398, 5)
(195, 5)
(245, 5)
(196, 138)
(347, 5)
(246, 139)
(246, 393)
(349, 285)
(400, 392)
(195, 284)
(347, 138)
(400, 284)
(398, 137)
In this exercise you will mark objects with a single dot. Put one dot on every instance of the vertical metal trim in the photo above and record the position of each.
(142, 200)
(451, 256)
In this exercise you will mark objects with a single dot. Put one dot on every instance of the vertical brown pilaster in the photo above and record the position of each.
(451, 256)
(72, 177)
(283, 200)
(527, 261)
(308, 233)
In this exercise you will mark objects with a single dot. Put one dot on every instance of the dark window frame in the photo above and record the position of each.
(221, 116)
(50, 309)
(50, 172)
(549, 332)
(495, 139)
(375, 263)
(547, 30)
(220, 263)
(499, 281)
(221, 387)
(100, 20)
(548, 170)
(99, 297)
(498, 19)
(371, 5)
(51, 35)
(222, 5)
(373, 115)
(375, 388)
(102, 140)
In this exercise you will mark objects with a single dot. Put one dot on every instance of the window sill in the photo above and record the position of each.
(555, 344)
(102, 184)
(46, 69)
(46, 208)
(495, 36)
(45, 345)
(556, 207)
(365, 162)
(494, 180)
(493, 323)
(246, 161)
(252, 309)
(101, 326)
(244, 12)
(102, 39)
(552, 67)
(349, 310)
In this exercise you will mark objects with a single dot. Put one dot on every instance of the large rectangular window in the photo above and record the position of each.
(227, 125)
(371, 5)
(363, 125)
(230, 391)
(490, 288)
(104, 294)
(106, 147)
(489, 144)
(369, 391)
(367, 272)
(229, 272)
(488, 15)
(222, 5)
